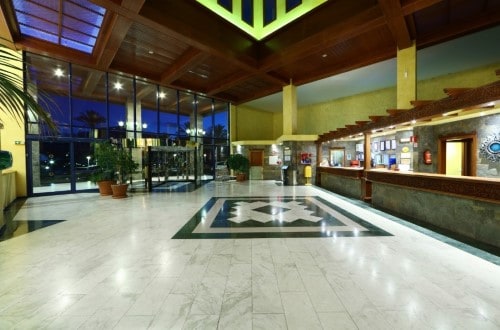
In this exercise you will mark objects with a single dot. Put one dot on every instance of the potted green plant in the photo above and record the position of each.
(125, 166)
(105, 156)
(240, 165)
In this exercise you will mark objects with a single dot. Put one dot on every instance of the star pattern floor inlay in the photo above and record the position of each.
(254, 217)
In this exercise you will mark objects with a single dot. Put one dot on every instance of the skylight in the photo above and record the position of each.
(260, 18)
(70, 23)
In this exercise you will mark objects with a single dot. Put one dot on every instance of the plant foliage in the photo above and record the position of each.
(238, 163)
(13, 97)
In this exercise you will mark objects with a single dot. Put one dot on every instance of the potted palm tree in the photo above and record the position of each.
(240, 165)
(105, 156)
(124, 166)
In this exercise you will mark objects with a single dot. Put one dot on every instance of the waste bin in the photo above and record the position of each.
(293, 177)
(285, 176)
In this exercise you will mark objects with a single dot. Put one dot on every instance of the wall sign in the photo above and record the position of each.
(490, 148)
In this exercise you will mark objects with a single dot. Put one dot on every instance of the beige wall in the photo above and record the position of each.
(277, 124)
(252, 124)
(432, 89)
(324, 117)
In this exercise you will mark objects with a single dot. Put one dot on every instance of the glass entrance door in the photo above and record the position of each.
(58, 167)
(84, 166)
(50, 167)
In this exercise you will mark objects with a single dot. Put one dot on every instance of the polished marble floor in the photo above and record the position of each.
(180, 260)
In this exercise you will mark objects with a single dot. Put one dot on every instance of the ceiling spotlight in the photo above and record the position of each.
(413, 122)
(58, 72)
(324, 55)
(161, 95)
(118, 85)
(151, 52)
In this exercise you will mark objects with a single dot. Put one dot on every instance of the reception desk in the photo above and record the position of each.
(346, 181)
(468, 206)
(8, 187)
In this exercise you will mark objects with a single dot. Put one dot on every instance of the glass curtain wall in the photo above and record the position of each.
(89, 106)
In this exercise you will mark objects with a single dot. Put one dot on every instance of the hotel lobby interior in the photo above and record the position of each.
(320, 88)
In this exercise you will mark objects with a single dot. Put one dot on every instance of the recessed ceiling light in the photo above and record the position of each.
(324, 55)
(118, 85)
(161, 95)
(58, 72)
(151, 52)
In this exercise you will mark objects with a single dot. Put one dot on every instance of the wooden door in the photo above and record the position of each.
(256, 157)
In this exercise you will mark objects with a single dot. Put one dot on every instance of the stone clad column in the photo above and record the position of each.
(289, 109)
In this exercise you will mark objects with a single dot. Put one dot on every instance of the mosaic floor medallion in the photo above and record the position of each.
(257, 217)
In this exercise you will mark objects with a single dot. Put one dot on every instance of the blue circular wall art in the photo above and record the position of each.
(490, 148)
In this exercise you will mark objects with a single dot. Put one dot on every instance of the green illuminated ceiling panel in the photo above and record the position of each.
(259, 30)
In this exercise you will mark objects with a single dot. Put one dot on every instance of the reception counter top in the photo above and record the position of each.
(352, 172)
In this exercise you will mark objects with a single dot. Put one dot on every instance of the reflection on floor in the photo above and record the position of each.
(175, 187)
(60, 187)
(113, 265)
(10, 228)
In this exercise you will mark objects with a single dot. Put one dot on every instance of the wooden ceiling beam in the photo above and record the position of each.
(88, 86)
(451, 31)
(375, 119)
(411, 7)
(361, 122)
(419, 103)
(229, 82)
(396, 23)
(203, 30)
(144, 91)
(351, 27)
(395, 112)
(113, 31)
(455, 91)
(56, 51)
(189, 59)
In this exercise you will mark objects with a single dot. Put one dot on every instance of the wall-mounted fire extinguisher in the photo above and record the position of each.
(427, 157)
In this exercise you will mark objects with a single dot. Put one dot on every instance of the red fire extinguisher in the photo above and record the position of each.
(427, 157)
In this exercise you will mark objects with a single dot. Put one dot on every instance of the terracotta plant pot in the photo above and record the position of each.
(105, 187)
(119, 190)
(240, 177)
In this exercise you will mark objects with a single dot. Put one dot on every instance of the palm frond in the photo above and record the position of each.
(13, 97)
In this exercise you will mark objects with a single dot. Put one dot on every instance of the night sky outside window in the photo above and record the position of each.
(269, 11)
(71, 23)
(227, 4)
(247, 11)
(291, 4)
